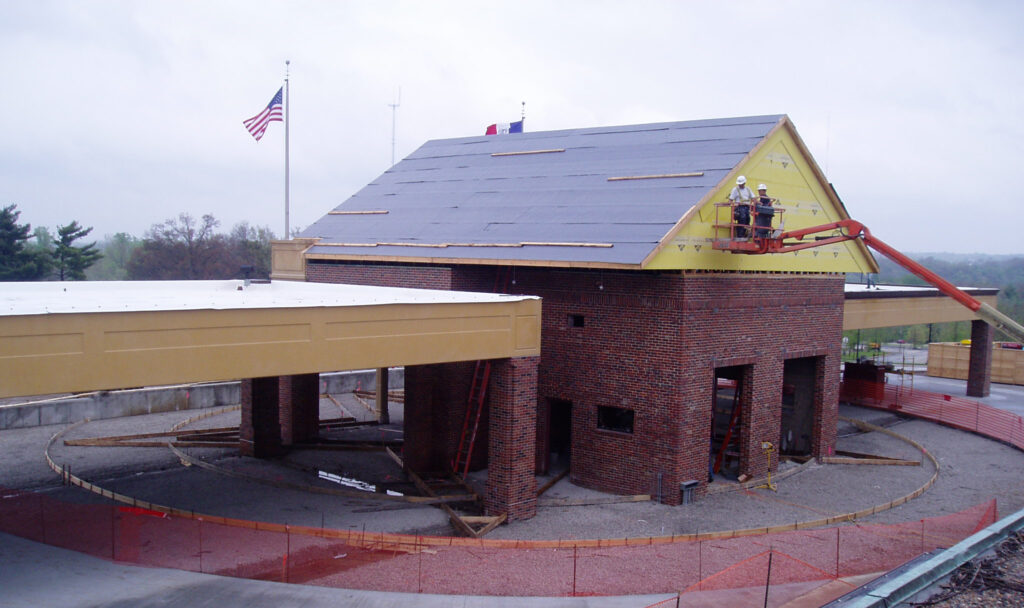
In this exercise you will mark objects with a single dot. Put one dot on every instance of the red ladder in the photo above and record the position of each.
(477, 395)
(474, 409)
(737, 408)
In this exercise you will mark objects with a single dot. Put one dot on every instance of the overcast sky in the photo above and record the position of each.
(123, 114)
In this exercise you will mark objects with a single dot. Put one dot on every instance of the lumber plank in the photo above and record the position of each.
(394, 456)
(479, 519)
(455, 519)
(863, 455)
(871, 461)
(497, 521)
(658, 176)
(521, 153)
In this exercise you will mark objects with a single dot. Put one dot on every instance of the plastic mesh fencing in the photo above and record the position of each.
(959, 412)
(390, 562)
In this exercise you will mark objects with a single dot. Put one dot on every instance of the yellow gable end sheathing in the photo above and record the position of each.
(791, 176)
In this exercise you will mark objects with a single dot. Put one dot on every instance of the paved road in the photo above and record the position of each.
(1003, 396)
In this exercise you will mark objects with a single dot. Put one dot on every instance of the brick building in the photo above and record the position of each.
(660, 354)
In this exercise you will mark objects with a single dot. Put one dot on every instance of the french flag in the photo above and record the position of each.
(500, 128)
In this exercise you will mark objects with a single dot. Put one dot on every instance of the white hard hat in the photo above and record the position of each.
(762, 187)
(741, 180)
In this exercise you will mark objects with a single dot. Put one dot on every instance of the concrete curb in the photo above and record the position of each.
(921, 576)
(134, 402)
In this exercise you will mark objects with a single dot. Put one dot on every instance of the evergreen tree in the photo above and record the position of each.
(18, 262)
(70, 260)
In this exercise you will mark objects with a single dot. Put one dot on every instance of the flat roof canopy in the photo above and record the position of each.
(897, 305)
(84, 336)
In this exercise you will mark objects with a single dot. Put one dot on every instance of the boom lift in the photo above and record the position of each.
(848, 230)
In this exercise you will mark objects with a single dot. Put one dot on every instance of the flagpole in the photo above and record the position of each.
(287, 107)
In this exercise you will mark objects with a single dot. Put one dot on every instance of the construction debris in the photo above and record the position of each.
(996, 580)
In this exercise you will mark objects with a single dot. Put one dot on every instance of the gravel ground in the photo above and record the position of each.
(973, 469)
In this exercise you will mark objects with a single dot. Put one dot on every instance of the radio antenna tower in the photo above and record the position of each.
(394, 111)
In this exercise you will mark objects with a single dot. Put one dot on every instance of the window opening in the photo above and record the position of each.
(616, 419)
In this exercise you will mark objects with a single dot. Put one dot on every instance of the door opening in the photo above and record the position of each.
(727, 412)
(561, 434)
(799, 390)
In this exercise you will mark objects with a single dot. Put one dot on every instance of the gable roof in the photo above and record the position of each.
(605, 196)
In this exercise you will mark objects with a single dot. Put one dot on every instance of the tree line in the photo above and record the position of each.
(181, 248)
(38, 256)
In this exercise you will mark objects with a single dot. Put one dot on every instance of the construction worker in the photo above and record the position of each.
(764, 212)
(740, 197)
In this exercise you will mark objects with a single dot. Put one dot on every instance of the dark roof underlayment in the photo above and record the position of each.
(543, 196)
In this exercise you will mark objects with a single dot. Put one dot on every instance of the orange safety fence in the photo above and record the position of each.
(376, 561)
(958, 412)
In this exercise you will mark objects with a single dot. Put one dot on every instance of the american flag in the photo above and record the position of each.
(257, 125)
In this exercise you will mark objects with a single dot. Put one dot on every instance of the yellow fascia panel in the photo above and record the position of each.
(868, 313)
(780, 162)
(76, 352)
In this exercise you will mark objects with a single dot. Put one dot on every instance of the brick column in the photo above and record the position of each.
(979, 369)
(383, 414)
(826, 405)
(511, 485)
(435, 408)
(299, 404)
(762, 418)
(260, 429)
(420, 450)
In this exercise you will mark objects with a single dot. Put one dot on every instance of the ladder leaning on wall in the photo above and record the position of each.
(477, 394)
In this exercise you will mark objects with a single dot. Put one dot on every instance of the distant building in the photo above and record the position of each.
(657, 349)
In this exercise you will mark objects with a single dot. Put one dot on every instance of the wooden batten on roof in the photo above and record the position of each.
(397, 259)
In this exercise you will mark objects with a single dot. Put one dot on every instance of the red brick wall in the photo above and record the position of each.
(651, 342)
(435, 409)
(299, 408)
(260, 427)
(511, 485)
(763, 320)
(381, 275)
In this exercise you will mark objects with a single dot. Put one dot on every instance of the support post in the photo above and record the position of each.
(383, 415)
(260, 428)
(299, 408)
(511, 485)
(979, 369)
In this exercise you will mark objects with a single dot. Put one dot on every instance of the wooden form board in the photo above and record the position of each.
(462, 523)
